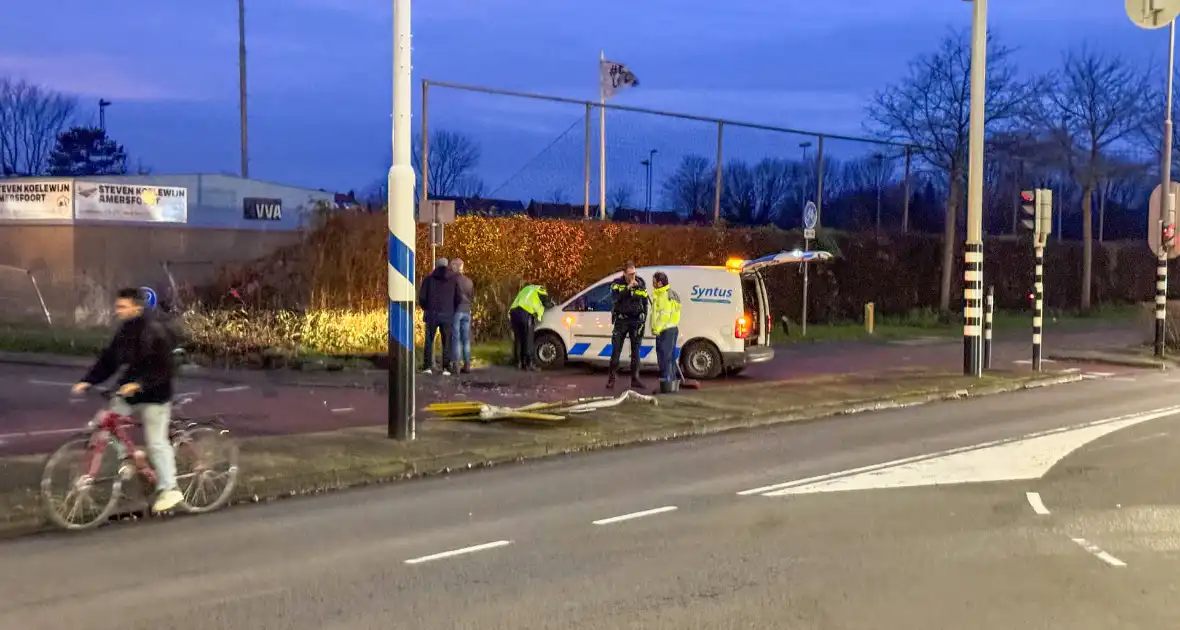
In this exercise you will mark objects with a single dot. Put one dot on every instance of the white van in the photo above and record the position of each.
(725, 319)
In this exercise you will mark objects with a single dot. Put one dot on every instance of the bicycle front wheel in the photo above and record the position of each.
(88, 481)
(208, 457)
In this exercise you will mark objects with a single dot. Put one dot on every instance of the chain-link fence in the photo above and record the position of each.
(551, 156)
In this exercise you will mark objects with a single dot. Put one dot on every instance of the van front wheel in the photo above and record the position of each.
(549, 352)
(700, 360)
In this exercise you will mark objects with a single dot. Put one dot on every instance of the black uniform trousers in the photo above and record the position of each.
(523, 325)
(630, 329)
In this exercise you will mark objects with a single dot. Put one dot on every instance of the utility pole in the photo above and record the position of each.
(242, 85)
(402, 424)
(973, 249)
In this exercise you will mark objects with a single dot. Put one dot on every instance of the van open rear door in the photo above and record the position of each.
(752, 269)
(783, 258)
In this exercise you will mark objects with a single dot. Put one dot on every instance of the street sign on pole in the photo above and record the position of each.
(809, 234)
(810, 216)
(1152, 14)
(1155, 228)
(149, 296)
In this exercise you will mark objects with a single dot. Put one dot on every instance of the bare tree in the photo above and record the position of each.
(930, 109)
(31, 117)
(619, 198)
(557, 195)
(1096, 102)
(453, 157)
(690, 187)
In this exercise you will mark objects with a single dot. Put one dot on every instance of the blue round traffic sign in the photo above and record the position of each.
(149, 296)
(810, 216)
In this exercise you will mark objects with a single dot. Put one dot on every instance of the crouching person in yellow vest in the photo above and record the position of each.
(665, 322)
(526, 310)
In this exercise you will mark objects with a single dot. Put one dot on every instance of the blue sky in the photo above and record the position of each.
(320, 74)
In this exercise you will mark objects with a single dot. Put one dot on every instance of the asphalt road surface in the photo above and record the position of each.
(829, 525)
(36, 414)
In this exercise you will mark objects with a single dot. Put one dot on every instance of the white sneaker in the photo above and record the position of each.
(446, 373)
(167, 500)
(428, 371)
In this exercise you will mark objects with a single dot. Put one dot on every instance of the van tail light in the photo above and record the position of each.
(741, 327)
(769, 324)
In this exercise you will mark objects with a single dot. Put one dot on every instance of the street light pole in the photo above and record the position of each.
(102, 113)
(242, 85)
(880, 175)
(402, 237)
(973, 251)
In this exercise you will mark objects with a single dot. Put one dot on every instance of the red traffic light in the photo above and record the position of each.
(1028, 196)
(1169, 232)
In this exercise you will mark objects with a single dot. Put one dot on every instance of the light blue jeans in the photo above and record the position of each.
(156, 420)
(461, 337)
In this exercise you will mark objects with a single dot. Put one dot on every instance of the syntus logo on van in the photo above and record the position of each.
(711, 294)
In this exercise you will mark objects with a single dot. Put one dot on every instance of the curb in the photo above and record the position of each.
(1103, 359)
(266, 490)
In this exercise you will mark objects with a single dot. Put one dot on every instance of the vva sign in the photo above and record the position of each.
(262, 209)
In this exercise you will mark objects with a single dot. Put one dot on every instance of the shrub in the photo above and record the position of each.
(340, 267)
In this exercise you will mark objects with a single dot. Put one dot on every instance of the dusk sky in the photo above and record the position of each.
(319, 72)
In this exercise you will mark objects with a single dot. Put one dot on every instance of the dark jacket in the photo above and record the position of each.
(628, 302)
(464, 293)
(144, 345)
(438, 295)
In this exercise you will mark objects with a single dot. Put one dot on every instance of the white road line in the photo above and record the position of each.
(1098, 553)
(459, 552)
(8, 436)
(1038, 506)
(1124, 379)
(1029, 361)
(1152, 414)
(236, 388)
(633, 515)
(34, 381)
(187, 394)
(1072, 370)
(342, 410)
(1102, 374)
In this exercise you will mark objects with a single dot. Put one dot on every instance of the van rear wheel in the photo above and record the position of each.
(700, 360)
(549, 352)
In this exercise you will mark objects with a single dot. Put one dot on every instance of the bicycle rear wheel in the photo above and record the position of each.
(209, 458)
(91, 482)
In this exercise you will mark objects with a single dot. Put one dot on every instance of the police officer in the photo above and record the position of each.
(527, 309)
(665, 322)
(628, 315)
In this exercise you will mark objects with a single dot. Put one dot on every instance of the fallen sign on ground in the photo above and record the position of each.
(475, 411)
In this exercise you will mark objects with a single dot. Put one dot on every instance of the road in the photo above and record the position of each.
(742, 530)
(35, 412)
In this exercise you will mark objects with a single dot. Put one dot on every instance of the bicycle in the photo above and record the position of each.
(107, 432)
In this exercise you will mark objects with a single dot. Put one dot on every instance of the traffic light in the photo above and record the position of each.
(1038, 206)
(1028, 205)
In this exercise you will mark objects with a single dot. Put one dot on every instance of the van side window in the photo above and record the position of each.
(596, 300)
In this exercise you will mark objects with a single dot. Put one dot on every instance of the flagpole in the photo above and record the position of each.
(601, 140)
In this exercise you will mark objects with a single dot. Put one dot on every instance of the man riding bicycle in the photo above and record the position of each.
(144, 345)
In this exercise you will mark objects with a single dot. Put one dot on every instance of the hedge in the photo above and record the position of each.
(340, 266)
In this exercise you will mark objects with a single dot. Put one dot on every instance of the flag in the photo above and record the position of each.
(614, 77)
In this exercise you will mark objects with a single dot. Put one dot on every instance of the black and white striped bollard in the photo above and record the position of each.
(989, 308)
(1038, 307)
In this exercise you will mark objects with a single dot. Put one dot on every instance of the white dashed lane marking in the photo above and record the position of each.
(459, 552)
(635, 515)
(1038, 506)
(1099, 553)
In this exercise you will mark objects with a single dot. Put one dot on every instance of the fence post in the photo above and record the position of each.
(589, 139)
(424, 160)
(819, 181)
(989, 309)
(905, 208)
(717, 181)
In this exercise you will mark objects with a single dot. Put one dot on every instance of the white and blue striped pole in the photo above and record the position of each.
(402, 425)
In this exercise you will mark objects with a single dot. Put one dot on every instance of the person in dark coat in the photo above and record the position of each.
(461, 330)
(438, 297)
